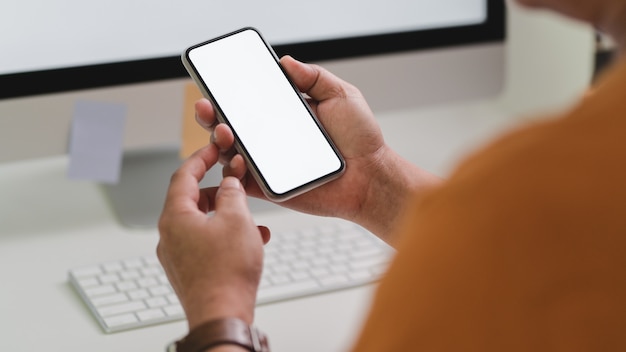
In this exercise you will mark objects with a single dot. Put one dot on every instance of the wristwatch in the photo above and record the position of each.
(224, 331)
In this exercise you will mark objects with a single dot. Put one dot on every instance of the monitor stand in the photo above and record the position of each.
(137, 199)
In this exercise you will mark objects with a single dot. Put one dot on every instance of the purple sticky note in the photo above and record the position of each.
(96, 141)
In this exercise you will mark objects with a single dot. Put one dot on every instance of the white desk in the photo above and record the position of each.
(49, 224)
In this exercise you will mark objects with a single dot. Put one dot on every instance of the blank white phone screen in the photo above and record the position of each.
(266, 113)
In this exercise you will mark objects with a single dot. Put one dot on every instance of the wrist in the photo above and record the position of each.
(392, 185)
(224, 334)
(215, 304)
(226, 348)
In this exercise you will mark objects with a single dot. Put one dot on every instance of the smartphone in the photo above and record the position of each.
(283, 143)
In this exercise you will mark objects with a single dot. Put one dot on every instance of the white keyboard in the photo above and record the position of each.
(135, 292)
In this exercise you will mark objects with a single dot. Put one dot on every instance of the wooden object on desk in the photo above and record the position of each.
(193, 136)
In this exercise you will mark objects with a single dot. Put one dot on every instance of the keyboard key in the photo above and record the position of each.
(279, 279)
(156, 302)
(319, 272)
(126, 285)
(172, 298)
(109, 278)
(147, 282)
(368, 251)
(109, 299)
(338, 268)
(150, 314)
(159, 290)
(120, 320)
(264, 282)
(360, 275)
(121, 308)
(368, 262)
(100, 290)
(281, 268)
(174, 311)
(320, 262)
(138, 294)
(300, 265)
(300, 275)
(335, 280)
(130, 275)
(163, 279)
(92, 281)
(282, 291)
(306, 254)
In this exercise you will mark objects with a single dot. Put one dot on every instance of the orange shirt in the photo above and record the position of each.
(523, 248)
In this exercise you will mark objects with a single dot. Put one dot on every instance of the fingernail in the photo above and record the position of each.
(201, 122)
(231, 182)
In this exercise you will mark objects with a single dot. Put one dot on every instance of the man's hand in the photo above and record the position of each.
(377, 182)
(214, 262)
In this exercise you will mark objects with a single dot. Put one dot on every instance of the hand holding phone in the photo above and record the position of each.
(284, 145)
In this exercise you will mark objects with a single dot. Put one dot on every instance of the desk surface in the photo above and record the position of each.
(49, 224)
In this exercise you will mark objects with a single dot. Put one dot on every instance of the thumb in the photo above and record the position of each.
(230, 196)
(312, 79)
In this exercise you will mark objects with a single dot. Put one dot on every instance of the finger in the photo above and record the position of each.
(205, 114)
(236, 167)
(314, 80)
(231, 197)
(183, 188)
(252, 187)
(266, 234)
(206, 202)
(312, 104)
(227, 156)
(223, 137)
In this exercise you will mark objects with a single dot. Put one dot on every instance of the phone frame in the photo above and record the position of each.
(239, 146)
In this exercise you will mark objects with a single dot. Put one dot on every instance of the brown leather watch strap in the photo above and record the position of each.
(223, 331)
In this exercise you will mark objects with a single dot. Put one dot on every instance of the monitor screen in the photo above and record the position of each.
(64, 45)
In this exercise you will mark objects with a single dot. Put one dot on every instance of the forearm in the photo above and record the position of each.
(391, 187)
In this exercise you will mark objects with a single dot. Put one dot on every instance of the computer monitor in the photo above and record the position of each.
(400, 53)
